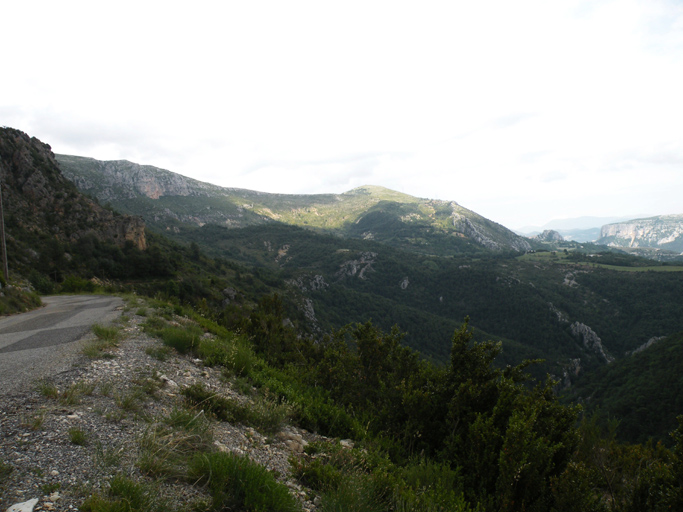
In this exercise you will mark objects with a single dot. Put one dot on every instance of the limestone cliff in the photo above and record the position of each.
(39, 200)
(118, 179)
(662, 232)
(591, 341)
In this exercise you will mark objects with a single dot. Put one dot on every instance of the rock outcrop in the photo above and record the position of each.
(662, 232)
(358, 267)
(117, 179)
(39, 200)
(549, 235)
(591, 341)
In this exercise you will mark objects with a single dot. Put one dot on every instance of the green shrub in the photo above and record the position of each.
(15, 300)
(183, 339)
(41, 283)
(237, 483)
(154, 323)
(426, 486)
(317, 474)
(234, 353)
(125, 495)
(73, 284)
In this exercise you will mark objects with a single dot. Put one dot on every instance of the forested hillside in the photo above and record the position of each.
(638, 391)
(531, 304)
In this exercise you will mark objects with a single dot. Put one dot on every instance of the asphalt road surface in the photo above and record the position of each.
(44, 342)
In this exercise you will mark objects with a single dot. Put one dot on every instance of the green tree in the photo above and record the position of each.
(509, 440)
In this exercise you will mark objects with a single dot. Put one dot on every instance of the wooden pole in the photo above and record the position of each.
(3, 246)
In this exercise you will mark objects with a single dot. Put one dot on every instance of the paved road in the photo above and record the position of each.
(42, 342)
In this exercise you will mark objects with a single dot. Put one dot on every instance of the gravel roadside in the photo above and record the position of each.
(60, 451)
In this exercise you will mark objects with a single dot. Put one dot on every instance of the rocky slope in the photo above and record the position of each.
(661, 232)
(39, 201)
(167, 201)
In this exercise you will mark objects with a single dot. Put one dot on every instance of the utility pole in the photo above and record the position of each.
(3, 246)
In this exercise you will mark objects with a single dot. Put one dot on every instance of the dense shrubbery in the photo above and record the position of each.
(467, 436)
(16, 300)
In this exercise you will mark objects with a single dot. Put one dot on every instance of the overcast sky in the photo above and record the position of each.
(523, 111)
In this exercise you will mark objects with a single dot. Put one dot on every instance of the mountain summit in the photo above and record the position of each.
(171, 202)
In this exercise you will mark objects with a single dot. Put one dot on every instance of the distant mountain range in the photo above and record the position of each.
(650, 236)
(170, 202)
(577, 229)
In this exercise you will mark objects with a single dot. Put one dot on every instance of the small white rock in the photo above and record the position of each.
(26, 506)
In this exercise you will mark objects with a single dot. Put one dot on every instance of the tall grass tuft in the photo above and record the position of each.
(105, 333)
(265, 413)
(183, 339)
(232, 352)
(166, 445)
(125, 495)
(237, 483)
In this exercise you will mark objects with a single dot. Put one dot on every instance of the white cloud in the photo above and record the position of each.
(522, 111)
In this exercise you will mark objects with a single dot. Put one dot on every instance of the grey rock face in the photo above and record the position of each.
(591, 341)
(549, 235)
(665, 232)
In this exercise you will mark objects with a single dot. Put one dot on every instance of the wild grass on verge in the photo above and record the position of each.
(168, 443)
(125, 495)
(70, 396)
(365, 480)
(48, 389)
(183, 339)
(107, 456)
(232, 352)
(34, 421)
(237, 483)
(160, 353)
(110, 334)
(5, 472)
(78, 437)
(73, 394)
(264, 413)
(107, 338)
